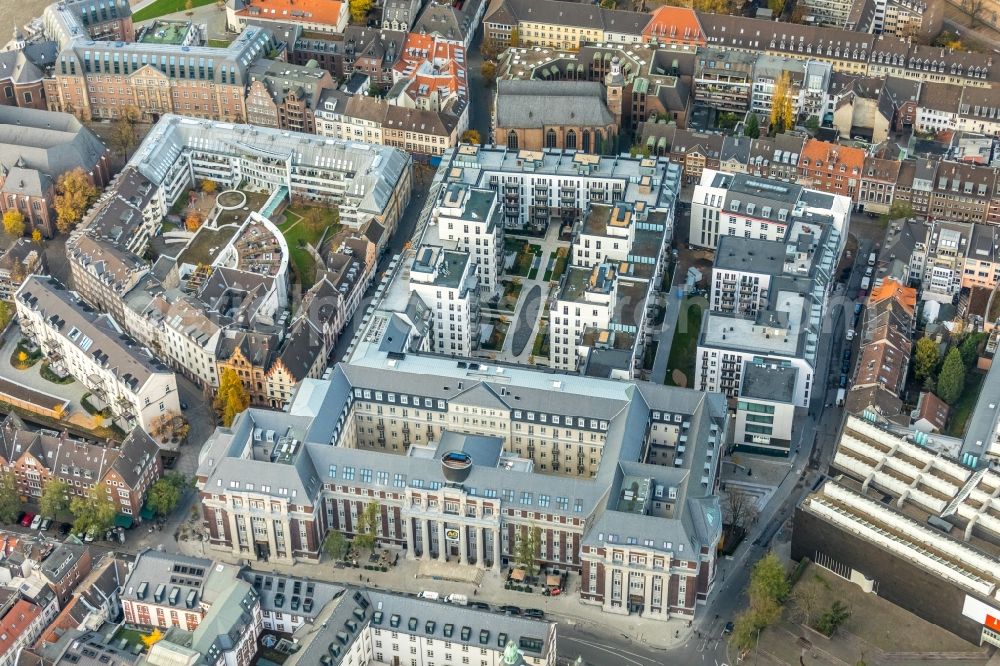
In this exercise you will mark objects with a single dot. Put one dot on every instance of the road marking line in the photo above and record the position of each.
(603, 648)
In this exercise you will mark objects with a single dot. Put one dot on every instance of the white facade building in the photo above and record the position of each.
(92, 348)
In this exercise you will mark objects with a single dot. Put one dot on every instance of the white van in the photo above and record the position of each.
(428, 594)
(459, 599)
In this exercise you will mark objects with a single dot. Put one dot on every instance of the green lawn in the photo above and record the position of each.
(297, 234)
(684, 347)
(966, 402)
(163, 7)
(219, 43)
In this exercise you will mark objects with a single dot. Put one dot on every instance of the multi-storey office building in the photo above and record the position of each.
(463, 457)
(101, 72)
(92, 348)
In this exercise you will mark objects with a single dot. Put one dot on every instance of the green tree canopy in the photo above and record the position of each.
(951, 381)
(752, 128)
(367, 529)
(335, 544)
(55, 497)
(10, 500)
(93, 511)
(969, 349)
(163, 497)
(526, 548)
(925, 358)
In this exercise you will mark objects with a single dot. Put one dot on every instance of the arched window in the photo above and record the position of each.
(571, 140)
(550, 138)
(512, 140)
(586, 141)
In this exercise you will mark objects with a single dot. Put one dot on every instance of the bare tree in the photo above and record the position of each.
(807, 599)
(974, 8)
(741, 510)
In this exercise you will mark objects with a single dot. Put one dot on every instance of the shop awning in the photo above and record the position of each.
(123, 521)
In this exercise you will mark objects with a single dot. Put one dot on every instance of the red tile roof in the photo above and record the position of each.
(16, 622)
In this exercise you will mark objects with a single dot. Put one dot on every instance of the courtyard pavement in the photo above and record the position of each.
(528, 312)
(33, 379)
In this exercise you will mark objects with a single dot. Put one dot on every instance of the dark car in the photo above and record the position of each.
(534, 613)
(509, 610)
(847, 354)
(843, 381)
(64, 529)
(20, 516)
(728, 629)
(184, 405)
(479, 605)
(845, 367)
(857, 308)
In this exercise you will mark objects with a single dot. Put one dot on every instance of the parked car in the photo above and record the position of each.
(64, 529)
(90, 536)
(850, 334)
(857, 308)
(534, 613)
(847, 354)
(728, 629)
(26, 520)
(479, 605)
(36, 522)
(46, 523)
(509, 610)
(184, 405)
(20, 516)
(843, 381)
(845, 367)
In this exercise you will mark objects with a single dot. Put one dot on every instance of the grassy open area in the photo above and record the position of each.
(163, 7)
(298, 233)
(684, 347)
(962, 410)
(219, 43)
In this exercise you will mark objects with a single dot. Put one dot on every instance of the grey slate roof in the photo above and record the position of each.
(535, 103)
(131, 364)
(435, 620)
(47, 141)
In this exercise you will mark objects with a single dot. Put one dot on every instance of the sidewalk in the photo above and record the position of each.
(404, 578)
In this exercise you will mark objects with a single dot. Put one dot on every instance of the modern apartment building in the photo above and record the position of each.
(93, 348)
(758, 208)
(461, 465)
(599, 316)
(771, 284)
(723, 79)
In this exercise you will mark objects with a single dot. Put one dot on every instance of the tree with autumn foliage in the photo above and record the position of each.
(13, 223)
(232, 398)
(193, 221)
(782, 111)
(471, 136)
(74, 194)
(208, 186)
(359, 9)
